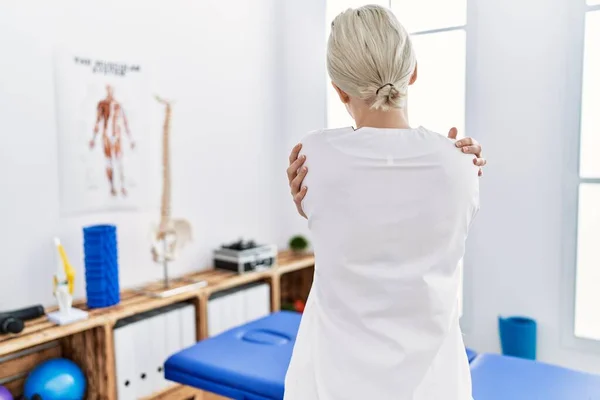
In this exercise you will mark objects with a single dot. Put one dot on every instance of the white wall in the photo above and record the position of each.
(520, 106)
(217, 59)
(303, 55)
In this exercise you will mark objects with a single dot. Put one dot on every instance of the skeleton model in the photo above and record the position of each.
(170, 234)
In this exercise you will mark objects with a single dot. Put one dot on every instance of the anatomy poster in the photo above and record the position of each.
(102, 117)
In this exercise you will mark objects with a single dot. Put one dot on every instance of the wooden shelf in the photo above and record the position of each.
(90, 342)
(180, 392)
(289, 262)
(41, 330)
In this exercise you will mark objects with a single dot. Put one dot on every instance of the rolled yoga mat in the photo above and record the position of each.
(101, 266)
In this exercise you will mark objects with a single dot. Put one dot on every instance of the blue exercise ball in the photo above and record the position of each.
(56, 379)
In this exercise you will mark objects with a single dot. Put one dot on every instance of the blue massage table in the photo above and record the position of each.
(497, 377)
(248, 362)
(245, 363)
(471, 355)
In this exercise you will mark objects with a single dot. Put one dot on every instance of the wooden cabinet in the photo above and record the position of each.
(89, 343)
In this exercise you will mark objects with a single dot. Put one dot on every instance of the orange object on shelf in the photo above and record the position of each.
(299, 306)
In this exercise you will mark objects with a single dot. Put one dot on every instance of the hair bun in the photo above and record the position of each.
(370, 56)
(387, 90)
(391, 85)
(386, 97)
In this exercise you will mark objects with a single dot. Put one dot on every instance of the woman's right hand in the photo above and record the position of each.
(296, 173)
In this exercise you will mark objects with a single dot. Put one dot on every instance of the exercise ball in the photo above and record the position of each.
(5, 394)
(56, 379)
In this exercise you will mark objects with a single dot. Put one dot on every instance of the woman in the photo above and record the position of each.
(389, 208)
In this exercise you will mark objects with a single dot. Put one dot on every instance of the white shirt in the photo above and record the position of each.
(389, 211)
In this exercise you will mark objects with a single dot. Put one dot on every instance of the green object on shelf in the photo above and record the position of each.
(287, 307)
(298, 244)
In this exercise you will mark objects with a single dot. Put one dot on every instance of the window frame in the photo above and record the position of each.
(572, 180)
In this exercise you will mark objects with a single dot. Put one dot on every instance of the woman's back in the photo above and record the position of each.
(389, 212)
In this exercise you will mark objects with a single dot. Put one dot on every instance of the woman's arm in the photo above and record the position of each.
(297, 171)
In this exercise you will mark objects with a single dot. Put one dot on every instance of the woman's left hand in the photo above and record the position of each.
(296, 173)
(469, 146)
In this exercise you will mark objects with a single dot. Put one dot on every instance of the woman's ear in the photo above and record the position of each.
(344, 98)
(413, 78)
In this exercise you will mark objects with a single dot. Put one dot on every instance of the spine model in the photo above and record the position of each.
(170, 234)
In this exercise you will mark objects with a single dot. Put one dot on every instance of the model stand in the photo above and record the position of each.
(171, 234)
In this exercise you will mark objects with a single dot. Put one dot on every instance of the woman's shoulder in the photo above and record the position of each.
(450, 155)
(445, 144)
(436, 136)
(323, 133)
(322, 136)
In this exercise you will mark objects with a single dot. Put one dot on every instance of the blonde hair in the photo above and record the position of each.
(370, 56)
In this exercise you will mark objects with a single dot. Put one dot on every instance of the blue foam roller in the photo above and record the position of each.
(99, 229)
(101, 266)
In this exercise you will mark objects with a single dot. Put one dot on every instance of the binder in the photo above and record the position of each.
(238, 309)
(143, 343)
(263, 302)
(143, 357)
(158, 345)
(173, 338)
(224, 312)
(187, 326)
(257, 302)
(124, 337)
(215, 317)
(234, 307)
(229, 312)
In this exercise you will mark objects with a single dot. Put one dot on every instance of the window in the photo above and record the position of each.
(587, 300)
(437, 99)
